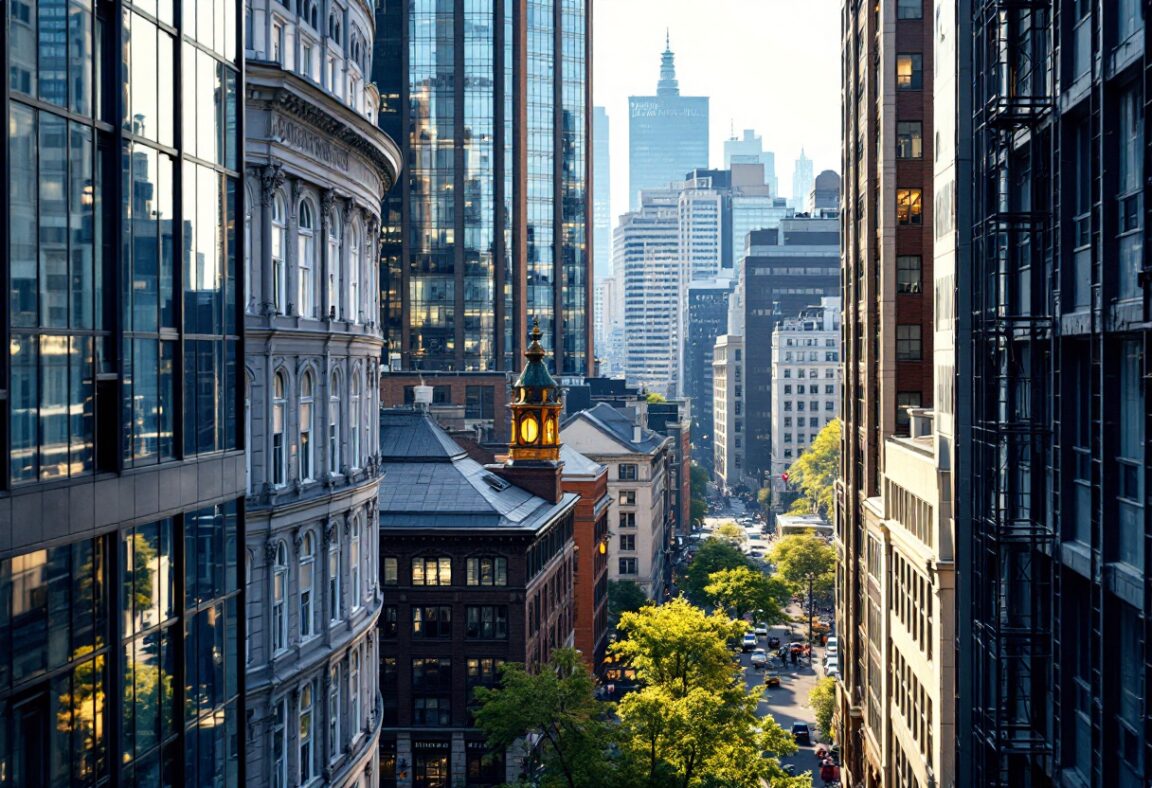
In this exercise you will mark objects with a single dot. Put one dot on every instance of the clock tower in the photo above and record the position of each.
(535, 409)
(534, 448)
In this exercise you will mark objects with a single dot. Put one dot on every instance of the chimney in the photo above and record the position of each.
(422, 395)
(544, 480)
(637, 433)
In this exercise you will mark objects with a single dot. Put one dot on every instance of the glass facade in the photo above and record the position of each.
(492, 221)
(119, 652)
(97, 636)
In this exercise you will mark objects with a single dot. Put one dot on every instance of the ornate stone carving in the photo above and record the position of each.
(327, 200)
(271, 179)
(270, 551)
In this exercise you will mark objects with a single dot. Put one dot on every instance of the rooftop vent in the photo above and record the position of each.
(422, 396)
(495, 482)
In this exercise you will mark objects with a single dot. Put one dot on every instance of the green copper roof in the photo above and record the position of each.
(535, 374)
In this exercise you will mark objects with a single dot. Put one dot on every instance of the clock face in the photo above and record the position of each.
(550, 431)
(529, 429)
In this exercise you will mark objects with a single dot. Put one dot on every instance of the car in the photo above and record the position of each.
(749, 642)
(801, 733)
(831, 651)
(759, 658)
(773, 641)
(755, 554)
(761, 629)
(831, 671)
(833, 642)
(772, 678)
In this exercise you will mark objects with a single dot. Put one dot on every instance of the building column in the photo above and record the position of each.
(404, 756)
(271, 179)
(291, 254)
(351, 311)
(457, 763)
(327, 200)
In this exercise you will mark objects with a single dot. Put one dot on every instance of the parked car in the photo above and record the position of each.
(801, 734)
(761, 629)
(831, 650)
(749, 642)
(773, 641)
(833, 644)
(772, 678)
(759, 658)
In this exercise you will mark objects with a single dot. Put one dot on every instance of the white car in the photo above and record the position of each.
(759, 658)
(832, 643)
(761, 630)
(749, 642)
(831, 652)
(831, 671)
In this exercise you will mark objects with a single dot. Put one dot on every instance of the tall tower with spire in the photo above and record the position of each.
(667, 132)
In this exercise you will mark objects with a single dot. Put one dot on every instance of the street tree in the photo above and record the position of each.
(557, 709)
(698, 478)
(744, 590)
(814, 472)
(822, 699)
(730, 531)
(803, 557)
(713, 555)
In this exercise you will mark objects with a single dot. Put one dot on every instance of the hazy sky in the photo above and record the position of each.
(768, 65)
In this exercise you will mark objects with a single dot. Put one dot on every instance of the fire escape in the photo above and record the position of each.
(1011, 330)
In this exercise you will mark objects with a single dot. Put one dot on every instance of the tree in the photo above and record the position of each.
(677, 645)
(556, 708)
(822, 699)
(713, 555)
(692, 723)
(764, 497)
(814, 472)
(744, 590)
(800, 558)
(624, 596)
(698, 479)
(730, 531)
(656, 399)
(699, 511)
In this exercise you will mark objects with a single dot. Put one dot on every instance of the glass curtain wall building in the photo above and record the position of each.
(120, 510)
(492, 225)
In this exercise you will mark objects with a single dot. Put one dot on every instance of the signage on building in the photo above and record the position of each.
(305, 140)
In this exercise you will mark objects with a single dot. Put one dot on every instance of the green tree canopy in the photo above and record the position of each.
(698, 479)
(713, 555)
(730, 531)
(743, 590)
(624, 596)
(800, 557)
(556, 707)
(655, 398)
(678, 646)
(822, 699)
(814, 472)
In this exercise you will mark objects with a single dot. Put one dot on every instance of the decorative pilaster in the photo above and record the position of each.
(271, 180)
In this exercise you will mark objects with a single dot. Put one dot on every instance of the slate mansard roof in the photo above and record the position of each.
(430, 482)
(617, 425)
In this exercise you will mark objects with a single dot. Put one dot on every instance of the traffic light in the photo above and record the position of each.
(784, 477)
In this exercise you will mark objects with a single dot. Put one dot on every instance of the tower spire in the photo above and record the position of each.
(667, 86)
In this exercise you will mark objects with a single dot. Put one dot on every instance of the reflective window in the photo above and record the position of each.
(909, 207)
(307, 586)
(908, 346)
(909, 71)
(279, 249)
(307, 464)
(280, 744)
(355, 720)
(355, 308)
(306, 259)
(431, 571)
(307, 732)
(278, 448)
(335, 600)
(908, 276)
(909, 139)
(354, 420)
(334, 741)
(279, 599)
(335, 238)
(487, 571)
(910, 9)
(354, 559)
(334, 423)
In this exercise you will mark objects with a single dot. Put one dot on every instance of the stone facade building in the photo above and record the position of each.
(317, 170)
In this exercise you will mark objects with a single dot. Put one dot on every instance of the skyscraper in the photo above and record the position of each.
(318, 169)
(1053, 626)
(490, 227)
(667, 134)
(801, 182)
(707, 312)
(895, 609)
(122, 479)
(602, 195)
(749, 149)
(647, 263)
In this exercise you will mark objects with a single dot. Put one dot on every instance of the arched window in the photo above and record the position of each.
(307, 259)
(354, 720)
(279, 246)
(354, 263)
(334, 423)
(307, 735)
(354, 419)
(335, 601)
(279, 599)
(334, 747)
(313, 15)
(307, 590)
(278, 448)
(307, 450)
(356, 592)
(334, 238)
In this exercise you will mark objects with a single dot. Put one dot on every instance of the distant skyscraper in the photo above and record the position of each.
(749, 149)
(707, 319)
(801, 182)
(667, 134)
(489, 228)
(602, 196)
(647, 265)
